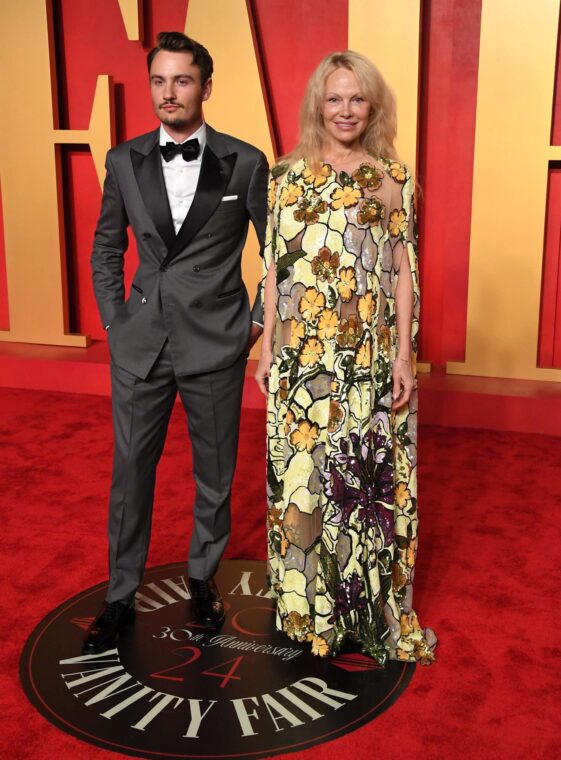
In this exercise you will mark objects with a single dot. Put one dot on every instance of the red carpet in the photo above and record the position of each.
(488, 575)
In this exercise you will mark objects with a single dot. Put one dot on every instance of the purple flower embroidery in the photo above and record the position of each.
(350, 596)
(361, 477)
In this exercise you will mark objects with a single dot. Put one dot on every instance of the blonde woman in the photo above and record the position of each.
(341, 302)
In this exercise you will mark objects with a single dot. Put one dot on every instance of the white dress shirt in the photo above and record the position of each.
(181, 177)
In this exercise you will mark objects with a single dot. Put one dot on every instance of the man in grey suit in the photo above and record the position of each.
(188, 194)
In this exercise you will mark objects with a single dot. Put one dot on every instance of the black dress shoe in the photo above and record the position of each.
(207, 602)
(104, 631)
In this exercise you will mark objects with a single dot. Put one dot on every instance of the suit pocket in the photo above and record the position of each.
(228, 207)
(228, 293)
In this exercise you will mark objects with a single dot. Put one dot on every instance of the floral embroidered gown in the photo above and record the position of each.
(341, 466)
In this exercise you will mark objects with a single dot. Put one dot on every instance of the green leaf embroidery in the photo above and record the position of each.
(279, 169)
(330, 569)
(275, 541)
(402, 436)
(345, 180)
(273, 483)
(285, 261)
(293, 377)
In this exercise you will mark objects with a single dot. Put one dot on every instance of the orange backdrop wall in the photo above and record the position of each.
(290, 37)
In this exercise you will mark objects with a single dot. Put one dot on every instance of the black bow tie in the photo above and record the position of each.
(189, 150)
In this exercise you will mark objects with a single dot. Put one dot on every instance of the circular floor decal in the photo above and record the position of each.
(171, 689)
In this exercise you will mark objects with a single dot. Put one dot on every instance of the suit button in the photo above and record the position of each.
(163, 268)
(146, 236)
(197, 304)
(196, 268)
(209, 234)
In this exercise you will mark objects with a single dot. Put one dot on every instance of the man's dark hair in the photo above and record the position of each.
(176, 42)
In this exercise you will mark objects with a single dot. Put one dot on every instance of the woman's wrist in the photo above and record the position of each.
(404, 353)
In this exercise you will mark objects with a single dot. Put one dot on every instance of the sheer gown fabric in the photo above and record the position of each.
(341, 466)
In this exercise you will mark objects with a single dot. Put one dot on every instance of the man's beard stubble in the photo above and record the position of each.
(173, 121)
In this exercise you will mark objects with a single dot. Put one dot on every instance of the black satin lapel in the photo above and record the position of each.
(213, 180)
(150, 179)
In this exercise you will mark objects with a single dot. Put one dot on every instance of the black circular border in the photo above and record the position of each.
(32, 693)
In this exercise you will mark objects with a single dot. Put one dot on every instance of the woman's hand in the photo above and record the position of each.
(263, 371)
(403, 382)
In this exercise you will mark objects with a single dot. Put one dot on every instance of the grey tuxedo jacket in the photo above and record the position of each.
(188, 287)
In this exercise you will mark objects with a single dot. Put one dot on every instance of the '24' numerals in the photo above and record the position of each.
(191, 655)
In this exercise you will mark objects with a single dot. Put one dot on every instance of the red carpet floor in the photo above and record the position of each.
(488, 576)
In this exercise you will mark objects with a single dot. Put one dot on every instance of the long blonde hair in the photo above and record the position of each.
(379, 135)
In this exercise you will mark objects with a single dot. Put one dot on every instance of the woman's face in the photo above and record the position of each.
(345, 109)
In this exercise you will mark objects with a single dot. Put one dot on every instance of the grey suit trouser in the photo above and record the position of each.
(141, 413)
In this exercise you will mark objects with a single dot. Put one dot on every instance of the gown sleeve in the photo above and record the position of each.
(411, 248)
(269, 251)
(404, 219)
